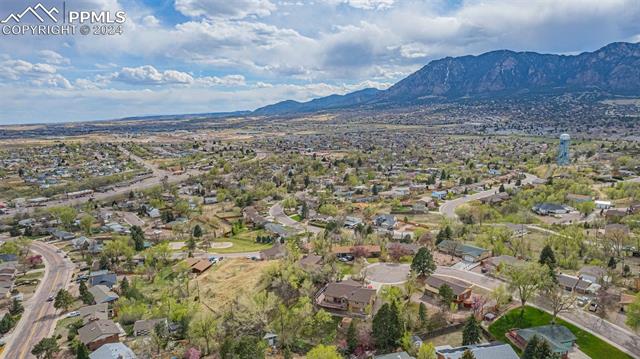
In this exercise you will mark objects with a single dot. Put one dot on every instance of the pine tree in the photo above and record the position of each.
(85, 295)
(471, 334)
(423, 264)
(82, 352)
(548, 257)
(387, 327)
(468, 354)
(197, 231)
(446, 294)
(422, 315)
(137, 235)
(352, 338)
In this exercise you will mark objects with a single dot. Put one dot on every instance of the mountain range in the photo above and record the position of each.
(611, 70)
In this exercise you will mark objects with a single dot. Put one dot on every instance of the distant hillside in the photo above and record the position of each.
(613, 69)
(319, 104)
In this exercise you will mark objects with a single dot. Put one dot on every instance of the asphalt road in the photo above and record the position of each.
(448, 208)
(39, 317)
(277, 212)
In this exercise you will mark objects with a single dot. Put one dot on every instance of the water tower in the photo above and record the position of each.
(563, 150)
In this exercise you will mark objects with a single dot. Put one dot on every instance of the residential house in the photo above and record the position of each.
(311, 262)
(99, 332)
(467, 252)
(348, 296)
(198, 265)
(495, 265)
(102, 277)
(495, 198)
(352, 222)
(397, 355)
(495, 350)
(615, 215)
(440, 195)
(102, 294)
(594, 274)
(560, 339)
(62, 235)
(113, 351)
(576, 284)
(276, 251)
(94, 312)
(373, 250)
(409, 248)
(547, 209)
(603, 204)
(147, 326)
(251, 216)
(385, 221)
(461, 290)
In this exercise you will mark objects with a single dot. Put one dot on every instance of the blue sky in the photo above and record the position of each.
(191, 56)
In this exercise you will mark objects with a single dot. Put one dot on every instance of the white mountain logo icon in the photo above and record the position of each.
(16, 17)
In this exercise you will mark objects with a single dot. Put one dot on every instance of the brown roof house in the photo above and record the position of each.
(99, 332)
(461, 290)
(95, 312)
(347, 296)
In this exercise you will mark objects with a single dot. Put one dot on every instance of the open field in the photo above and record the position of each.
(230, 279)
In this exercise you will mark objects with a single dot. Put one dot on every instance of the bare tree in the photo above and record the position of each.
(558, 300)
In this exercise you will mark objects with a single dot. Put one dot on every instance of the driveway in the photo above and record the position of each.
(379, 274)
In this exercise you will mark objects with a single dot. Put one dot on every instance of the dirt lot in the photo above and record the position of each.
(222, 283)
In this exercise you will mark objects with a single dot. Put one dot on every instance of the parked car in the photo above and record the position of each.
(73, 314)
(50, 299)
(582, 301)
(593, 306)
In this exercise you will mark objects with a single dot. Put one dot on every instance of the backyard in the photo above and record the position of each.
(586, 342)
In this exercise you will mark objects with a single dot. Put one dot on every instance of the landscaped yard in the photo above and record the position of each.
(587, 342)
(245, 241)
(296, 217)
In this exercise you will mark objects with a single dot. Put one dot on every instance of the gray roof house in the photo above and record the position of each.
(102, 294)
(465, 251)
(102, 277)
(94, 312)
(146, 327)
(495, 350)
(113, 351)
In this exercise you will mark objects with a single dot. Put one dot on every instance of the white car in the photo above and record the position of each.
(73, 314)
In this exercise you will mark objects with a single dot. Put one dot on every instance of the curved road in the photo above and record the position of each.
(448, 208)
(277, 212)
(39, 317)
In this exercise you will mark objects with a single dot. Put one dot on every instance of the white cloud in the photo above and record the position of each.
(365, 4)
(52, 57)
(148, 75)
(213, 9)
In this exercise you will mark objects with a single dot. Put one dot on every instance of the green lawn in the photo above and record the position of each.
(533, 317)
(296, 217)
(245, 241)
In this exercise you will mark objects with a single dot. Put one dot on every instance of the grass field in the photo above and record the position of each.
(244, 241)
(587, 342)
(232, 278)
